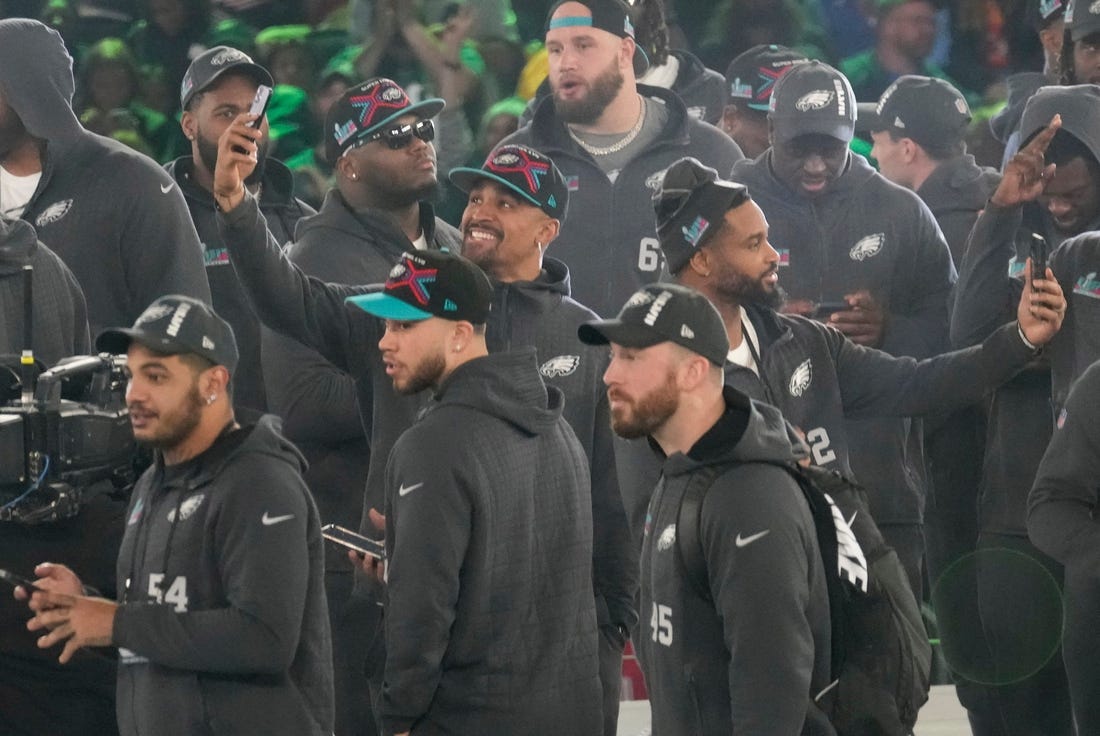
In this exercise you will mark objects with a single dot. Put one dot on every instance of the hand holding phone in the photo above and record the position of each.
(1040, 253)
(824, 310)
(17, 581)
(354, 541)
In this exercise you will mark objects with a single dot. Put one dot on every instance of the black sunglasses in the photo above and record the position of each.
(401, 136)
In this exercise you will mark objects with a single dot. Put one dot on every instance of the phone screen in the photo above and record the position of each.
(352, 540)
(259, 104)
(1039, 256)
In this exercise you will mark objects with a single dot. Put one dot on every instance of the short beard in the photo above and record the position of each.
(208, 154)
(743, 290)
(588, 109)
(427, 374)
(650, 411)
(180, 424)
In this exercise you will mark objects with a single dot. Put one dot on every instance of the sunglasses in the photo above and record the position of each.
(400, 136)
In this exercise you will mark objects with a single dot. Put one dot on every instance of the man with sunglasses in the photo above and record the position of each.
(380, 145)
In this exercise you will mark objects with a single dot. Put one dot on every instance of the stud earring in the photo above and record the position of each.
(211, 398)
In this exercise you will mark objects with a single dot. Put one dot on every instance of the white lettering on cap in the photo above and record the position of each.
(658, 305)
(177, 319)
(841, 98)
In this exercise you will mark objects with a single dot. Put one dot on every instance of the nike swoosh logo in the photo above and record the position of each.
(165, 188)
(269, 520)
(746, 541)
(406, 490)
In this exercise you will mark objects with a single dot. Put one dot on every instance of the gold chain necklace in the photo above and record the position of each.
(618, 145)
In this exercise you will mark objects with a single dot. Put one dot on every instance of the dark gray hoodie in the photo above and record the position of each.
(116, 218)
(750, 660)
(490, 621)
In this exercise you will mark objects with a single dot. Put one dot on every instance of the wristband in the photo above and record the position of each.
(1030, 346)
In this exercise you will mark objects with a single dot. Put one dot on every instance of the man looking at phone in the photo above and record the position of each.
(221, 623)
(490, 619)
(219, 85)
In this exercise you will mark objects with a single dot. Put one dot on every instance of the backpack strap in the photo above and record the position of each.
(688, 539)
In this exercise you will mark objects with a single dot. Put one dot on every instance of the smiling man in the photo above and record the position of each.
(221, 623)
(490, 620)
(872, 253)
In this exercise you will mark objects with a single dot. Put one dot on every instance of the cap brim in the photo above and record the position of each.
(867, 117)
(426, 109)
(604, 331)
(388, 307)
(1078, 33)
(466, 178)
(842, 131)
(117, 341)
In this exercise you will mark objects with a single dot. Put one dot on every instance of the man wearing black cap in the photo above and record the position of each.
(222, 623)
(115, 218)
(380, 144)
(750, 79)
(611, 138)
(1080, 59)
(490, 620)
(219, 85)
(756, 648)
(868, 250)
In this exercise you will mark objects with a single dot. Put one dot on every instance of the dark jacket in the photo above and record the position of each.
(113, 215)
(1076, 265)
(750, 660)
(702, 90)
(317, 400)
(609, 238)
(282, 212)
(956, 193)
(820, 379)
(490, 622)
(224, 627)
(536, 314)
(867, 233)
(60, 317)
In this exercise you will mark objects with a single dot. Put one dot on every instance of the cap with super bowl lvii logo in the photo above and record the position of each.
(523, 170)
(431, 283)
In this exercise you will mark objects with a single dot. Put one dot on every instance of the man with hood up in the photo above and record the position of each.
(751, 658)
(114, 216)
(220, 84)
(867, 247)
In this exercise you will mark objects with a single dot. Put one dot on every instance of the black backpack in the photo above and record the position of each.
(881, 657)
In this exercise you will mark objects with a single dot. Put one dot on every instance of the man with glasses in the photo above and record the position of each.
(380, 145)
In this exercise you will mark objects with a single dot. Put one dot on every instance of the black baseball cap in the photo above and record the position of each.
(212, 64)
(690, 206)
(612, 16)
(813, 98)
(664, 312)
(523, 170)
(1042, 13)
(1082, 18)
(431, 283)
(925, 109)
(751, 76)
(365, 108)
(176, 325)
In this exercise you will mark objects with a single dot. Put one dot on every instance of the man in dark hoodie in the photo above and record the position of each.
(221, 626)
(611, 138)
(378, 209)
(219, 85)
(868, 248)
(490, 621)
(750, 657)
(114, 216)
(506, 229)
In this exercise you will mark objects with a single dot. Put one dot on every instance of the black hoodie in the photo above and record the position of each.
(115, 217)
(490, 623)
(282, 211)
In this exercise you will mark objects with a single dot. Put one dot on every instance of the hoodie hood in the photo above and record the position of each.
(18, 243)
(36, 78)
(506, 386)
(767, 437)
(1079, 106)
(958, 185)
(370, 225)
(1020, 89)
(278, 182)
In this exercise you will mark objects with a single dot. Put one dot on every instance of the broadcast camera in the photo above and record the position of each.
(66, 439)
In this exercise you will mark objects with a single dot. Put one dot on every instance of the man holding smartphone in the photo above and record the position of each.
(221, 626)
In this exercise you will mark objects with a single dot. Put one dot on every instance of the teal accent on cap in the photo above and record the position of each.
(570, 21)
(449, 306)
(552, 201)
(483, 174)
(388, 307)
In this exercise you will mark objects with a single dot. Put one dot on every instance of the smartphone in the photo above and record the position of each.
(824, 310)
(355, 541)
(1040, 252)
(259, 105)
(17, 580)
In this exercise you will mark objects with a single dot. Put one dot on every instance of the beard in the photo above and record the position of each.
(176, 425)
(427, 374)
(589, 108)
(740, 289)
(650, 412)
(208, 154)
